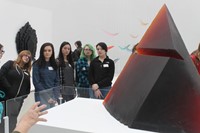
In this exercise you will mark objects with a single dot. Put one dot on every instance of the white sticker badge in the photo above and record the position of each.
(105, 65)
(50, 68)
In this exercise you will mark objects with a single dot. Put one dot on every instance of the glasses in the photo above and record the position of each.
(27, 56)
(87, 49)
(2, 51)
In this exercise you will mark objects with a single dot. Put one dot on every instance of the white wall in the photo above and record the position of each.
(13, 17)
(87, 20)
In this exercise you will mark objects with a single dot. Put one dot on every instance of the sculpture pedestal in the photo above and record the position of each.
(81, 115)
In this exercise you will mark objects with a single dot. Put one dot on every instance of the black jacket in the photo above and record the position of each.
(76, 54)
(101, 73)
(14, 82)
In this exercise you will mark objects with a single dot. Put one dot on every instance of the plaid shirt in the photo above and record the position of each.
(82, 69)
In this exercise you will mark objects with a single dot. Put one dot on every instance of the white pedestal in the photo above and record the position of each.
(81, 115)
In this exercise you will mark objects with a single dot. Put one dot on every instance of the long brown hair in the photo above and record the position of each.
(134, 49)
(196, 52)
(18, 61)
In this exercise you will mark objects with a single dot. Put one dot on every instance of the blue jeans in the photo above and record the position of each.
(104, 92)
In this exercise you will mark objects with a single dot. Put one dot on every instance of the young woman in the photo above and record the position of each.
(66, 71)
(101, 72)
(195, 56)
(15, 82)
(45, 76)
(2, 94)
(134, 49)
(82, 70)
(1, 51)
(77, 51)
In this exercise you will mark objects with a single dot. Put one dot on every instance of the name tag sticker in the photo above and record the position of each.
(50, 68)
(105, 65)
(83, 68)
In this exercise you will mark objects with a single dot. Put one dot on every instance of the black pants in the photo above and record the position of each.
(68, 93)
(12, 111)
(67, 98)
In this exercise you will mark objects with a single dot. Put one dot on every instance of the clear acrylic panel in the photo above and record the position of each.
(49, 97)
(13, 108)
(16, 107)
(56, 95)
(67, 93)
(83, 92)
(89, 93)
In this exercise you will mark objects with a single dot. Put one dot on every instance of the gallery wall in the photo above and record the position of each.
(120, 24)
(13, 16)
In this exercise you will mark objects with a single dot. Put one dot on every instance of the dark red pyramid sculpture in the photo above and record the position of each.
(159, 88)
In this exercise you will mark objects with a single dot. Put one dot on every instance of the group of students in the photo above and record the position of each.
(95, 72)
(53, 78)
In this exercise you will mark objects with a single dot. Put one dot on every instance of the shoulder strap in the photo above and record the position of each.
(20, 85)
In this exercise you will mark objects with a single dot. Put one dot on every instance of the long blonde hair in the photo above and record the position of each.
(18, 61)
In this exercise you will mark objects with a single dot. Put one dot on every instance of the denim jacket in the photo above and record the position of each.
(46, 78)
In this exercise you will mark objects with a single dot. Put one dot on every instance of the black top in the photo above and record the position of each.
(76, 54)
(101, 73)
(14, 81)
(66, 75)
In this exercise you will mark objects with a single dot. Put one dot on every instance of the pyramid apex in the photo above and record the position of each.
(163, 37)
